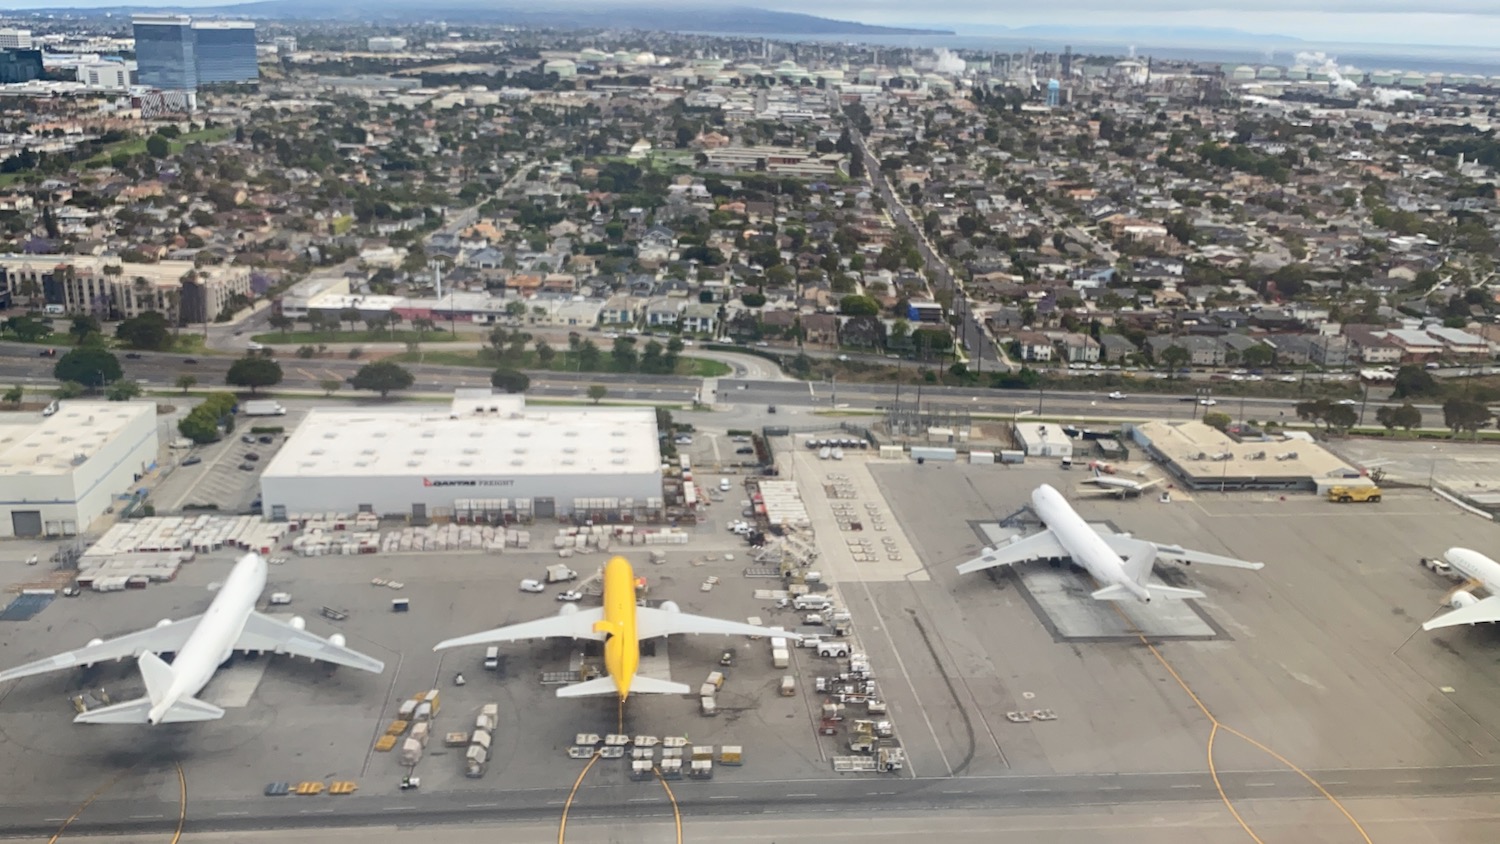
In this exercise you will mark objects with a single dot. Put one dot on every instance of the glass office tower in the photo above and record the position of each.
(165, 52)
(225, 51)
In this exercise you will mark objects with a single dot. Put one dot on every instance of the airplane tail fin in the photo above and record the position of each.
(138, 711)
(1138, 564)
(157, 674)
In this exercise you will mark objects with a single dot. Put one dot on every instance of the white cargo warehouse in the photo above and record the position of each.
(59, 473)
(1043, 439)
(422, 462)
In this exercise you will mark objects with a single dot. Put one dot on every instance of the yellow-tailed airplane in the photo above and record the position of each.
(621, 625)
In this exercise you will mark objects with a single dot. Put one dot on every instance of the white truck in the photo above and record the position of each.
(560, 573)
(262, 407)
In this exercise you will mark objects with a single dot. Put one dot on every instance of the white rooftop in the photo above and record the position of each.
(469, 443)
(57, 444)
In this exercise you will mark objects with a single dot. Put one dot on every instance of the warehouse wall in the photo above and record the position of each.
(393, 494)
(115, 467)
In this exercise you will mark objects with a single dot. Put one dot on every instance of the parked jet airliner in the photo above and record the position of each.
(1119, 562)
(1467, 609)
(202, 643)
(621, 625)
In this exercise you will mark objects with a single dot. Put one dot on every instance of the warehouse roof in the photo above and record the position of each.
(458, 445)
(1204, 453)
(56, 444)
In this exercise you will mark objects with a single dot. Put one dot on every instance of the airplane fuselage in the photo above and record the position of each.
(1476, 567)
(212, 640)
(1082, 543)
(622, 648)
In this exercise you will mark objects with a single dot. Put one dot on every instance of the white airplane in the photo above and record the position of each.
(202, 643)
(1467, 609)
(1117, 486)
(1118, 561)
(621, 625)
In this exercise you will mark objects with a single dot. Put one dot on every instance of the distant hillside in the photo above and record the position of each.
(589, 15)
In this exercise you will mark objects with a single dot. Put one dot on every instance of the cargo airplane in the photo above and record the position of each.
(621, 625)
(1478, 570)
(1119, 562)
(1117, 486)
(202, 643)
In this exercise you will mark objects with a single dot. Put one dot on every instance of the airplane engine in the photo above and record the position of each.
(93, 642)
(670, 606)
(164, 622)
(567, 609)
(338, 639)
(1462, 599)
(299, 622)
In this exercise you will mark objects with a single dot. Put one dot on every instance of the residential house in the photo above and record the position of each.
(1294, 349)
(1115, 348)
(620, 309)
(699, 317)
(1460, 343)
(1370, 345)
(820, 329)
(1415, 344)
(1079, 348)
(1329, 350)
(663, 312)
(1202, 351)
(1033, 346)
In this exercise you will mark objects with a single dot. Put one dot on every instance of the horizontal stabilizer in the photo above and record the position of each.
(138, 712)
(602, 686)
(1172, 593)
(1114, 592)
(653, 686)
(1486, 610)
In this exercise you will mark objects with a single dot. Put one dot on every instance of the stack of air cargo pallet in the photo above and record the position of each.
(132, 554)
(581, 540)
(477, 757)
(455, 537)
(491, 510)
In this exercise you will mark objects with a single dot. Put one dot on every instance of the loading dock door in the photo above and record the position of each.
(545, 508)
(26, 522)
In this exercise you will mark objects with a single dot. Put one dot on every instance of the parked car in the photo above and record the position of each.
(252, 457)
(744, 449)
(247, 438)
(192, 461)
(265, 439)
(132, 355)
(570, 595)
(247, 467)
(189, 360)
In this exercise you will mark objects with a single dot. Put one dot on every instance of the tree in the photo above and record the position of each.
(1412, 381)
(330, 385)
(596, 392)
(588, 355)
(186, 382)
(158, 146)
(1173, 357)
(855, 305)
(624, 354)
(123, 390)
(91, 366)
(545, 353)
(69, 390)
(1407, 417)
(349, 315)
(15, 395)
(1258, 356)
(1465, 415)
(27, 329)
(510, 380)
(253, 372)
(1218, 420)
(753, 300)
(382, 377)
(147, 331)
(1341, 416)
(1314, 411)
(82, 327)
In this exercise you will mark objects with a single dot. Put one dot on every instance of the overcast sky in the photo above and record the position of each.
(1439, 22)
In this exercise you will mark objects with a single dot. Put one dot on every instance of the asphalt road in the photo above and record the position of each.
(731, 795)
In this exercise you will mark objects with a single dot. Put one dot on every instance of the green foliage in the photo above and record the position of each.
(69, 390)
(1465, 415)
(1405, 417)
(382, 377)
(510, 380)
(1214, 419)
(148, 331)
(123, 390)
(27, 329)
(158, 146)
(330, 385)
(186, 382)
(596, 392)
(253, 372)
(90, 366)
(753, 300)
(855, 305)
(1413, 381)
(201, 425)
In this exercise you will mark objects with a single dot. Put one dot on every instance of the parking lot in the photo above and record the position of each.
(223, 474)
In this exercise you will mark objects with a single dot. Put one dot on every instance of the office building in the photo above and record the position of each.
(104, 76)
(385, 44)
(107, 288)
(166, 52)
(20, 66)
(15, 39)
(225, 51)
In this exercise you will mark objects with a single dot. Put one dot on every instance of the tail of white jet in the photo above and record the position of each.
(1119, 562)
(1478, 571)
(202, 643)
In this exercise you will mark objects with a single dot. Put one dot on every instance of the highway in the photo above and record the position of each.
(735, 793)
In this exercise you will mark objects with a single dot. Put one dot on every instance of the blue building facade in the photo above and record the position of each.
(20, 66)
(165, 52)
(226, 52)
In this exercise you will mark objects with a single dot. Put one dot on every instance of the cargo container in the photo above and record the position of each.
(781, 658)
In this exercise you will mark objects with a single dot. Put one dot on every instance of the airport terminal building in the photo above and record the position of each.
(59, 473)
(428, 464)
(1201, 457)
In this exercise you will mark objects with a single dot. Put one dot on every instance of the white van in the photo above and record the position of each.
(491, 658)
(811, 602)
(724, 485)
(530, 585)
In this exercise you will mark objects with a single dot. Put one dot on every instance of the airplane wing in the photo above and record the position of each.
(1126, 545)
(1038, 546)
(263, 633)
(650, 623)
(1487, 609)
(168, 637)
(578, 625)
